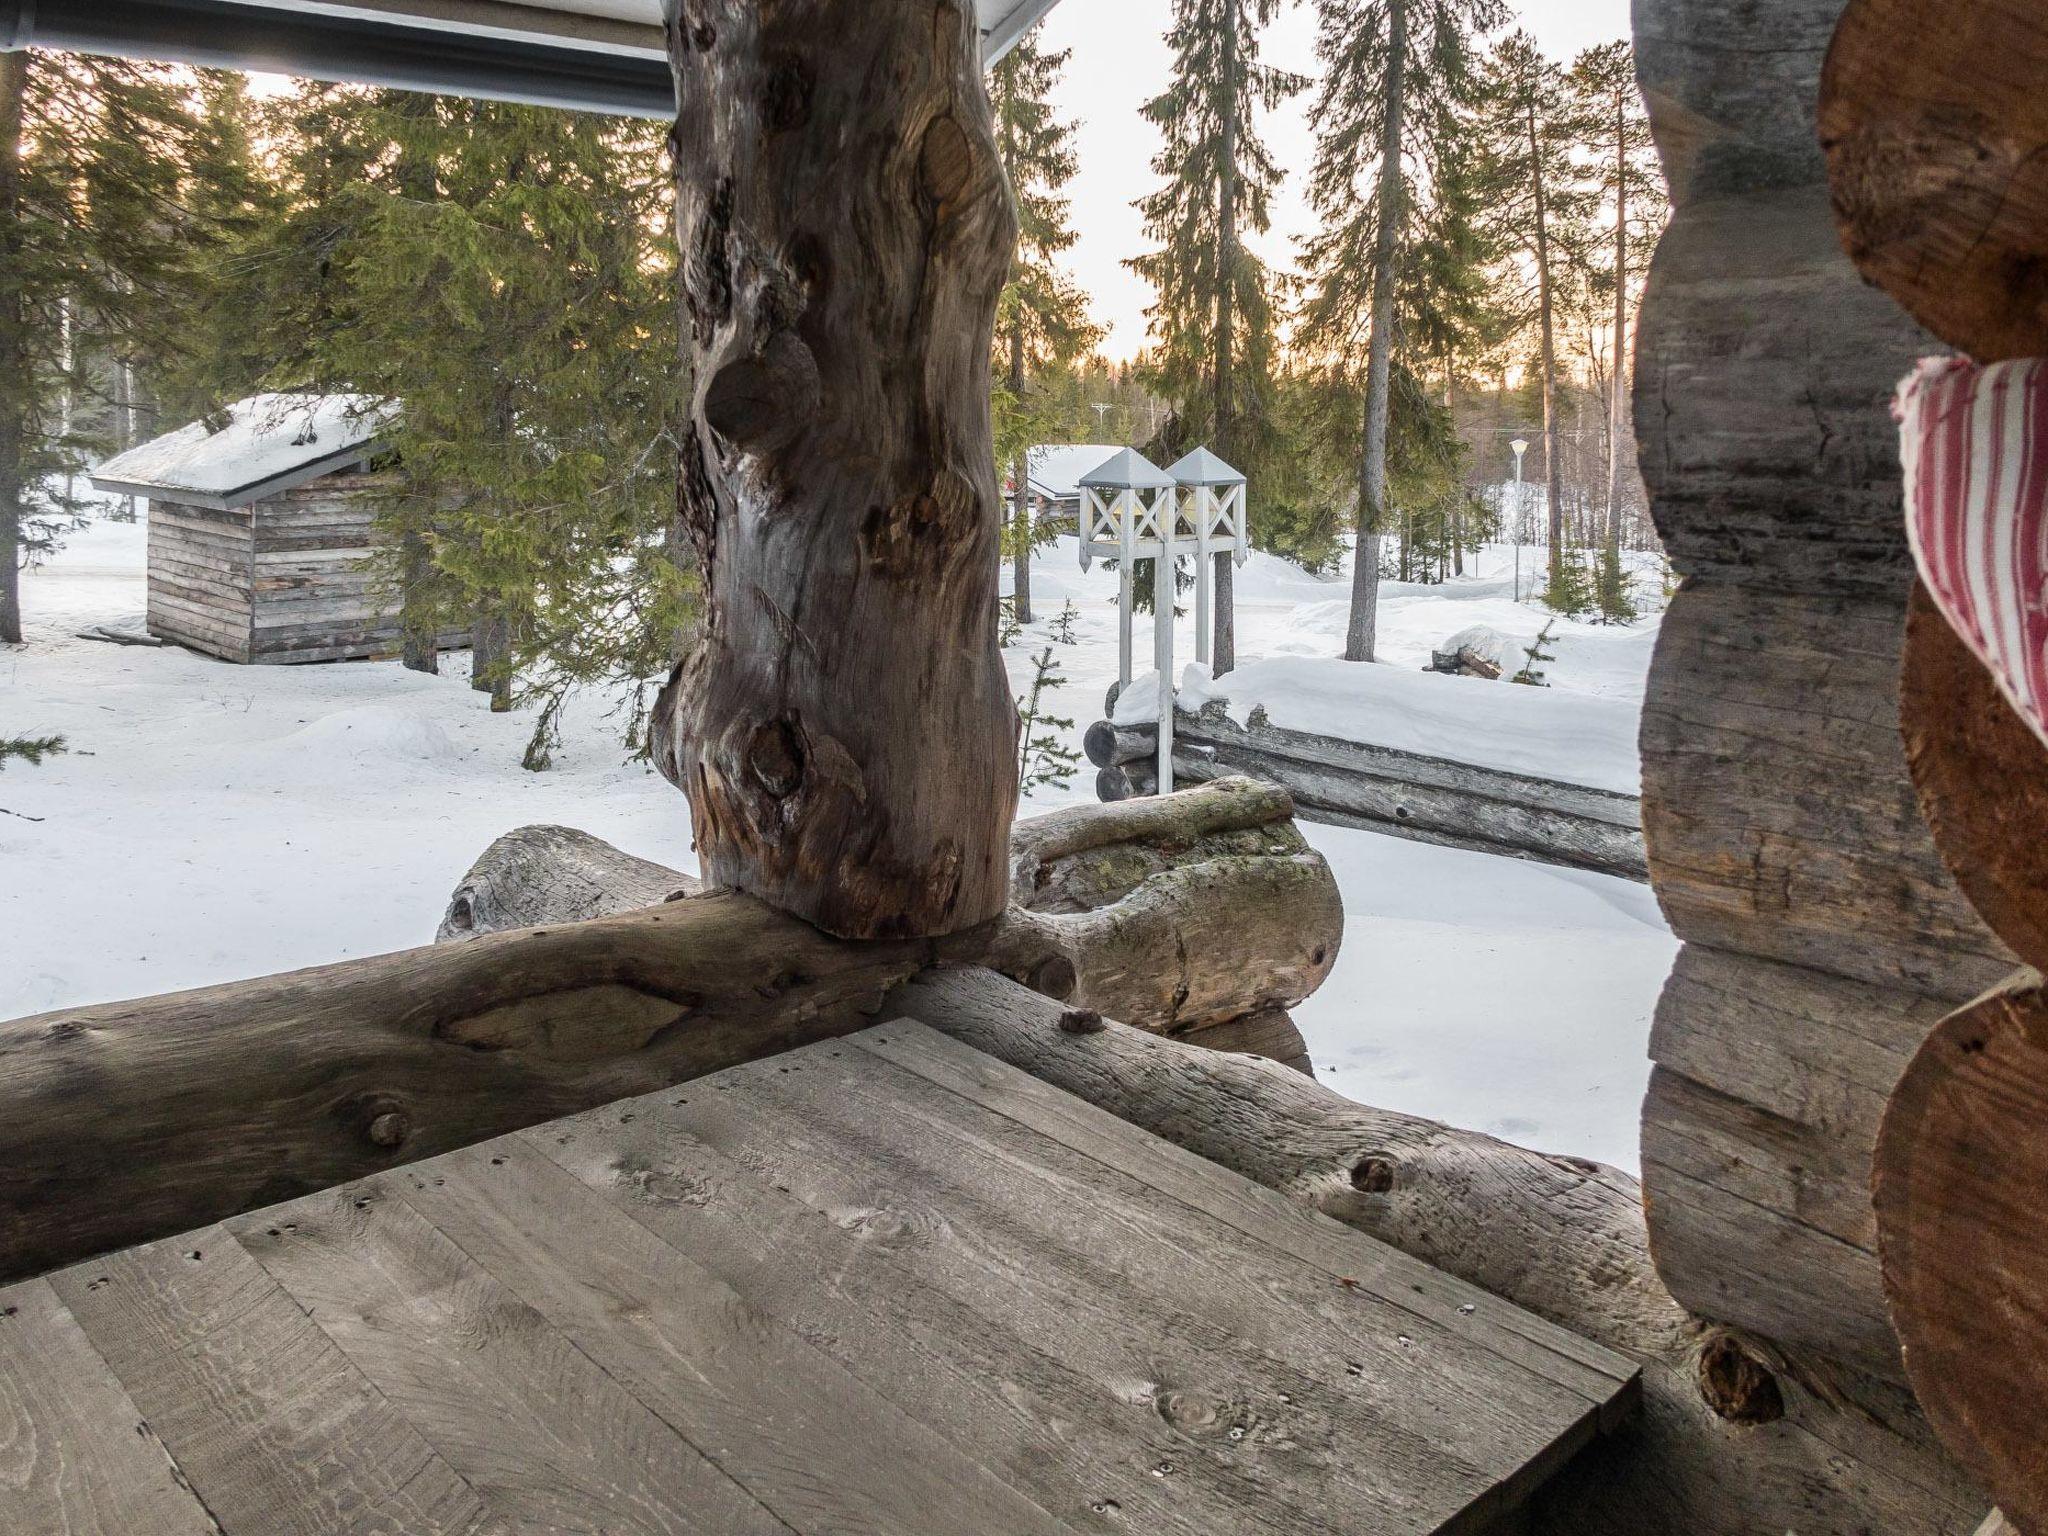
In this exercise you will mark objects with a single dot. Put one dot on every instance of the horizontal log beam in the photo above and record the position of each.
(135, 1120)
(130, 1121)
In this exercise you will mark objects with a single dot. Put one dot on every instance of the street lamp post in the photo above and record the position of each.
(1521, 446)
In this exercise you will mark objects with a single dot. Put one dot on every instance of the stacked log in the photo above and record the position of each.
(1382, 789)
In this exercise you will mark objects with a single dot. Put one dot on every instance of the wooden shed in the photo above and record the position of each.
(262, 522)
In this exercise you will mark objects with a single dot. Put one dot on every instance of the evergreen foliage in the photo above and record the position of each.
(1044, 759)
(30, 749)
(1397, 259)
(99, 251)
(1213, 323)
(1042, 322)
(1541, 207)
(503, 273)
(1532, 674)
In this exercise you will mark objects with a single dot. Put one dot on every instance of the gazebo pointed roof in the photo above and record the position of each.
(1127, 469)
(1201, 467)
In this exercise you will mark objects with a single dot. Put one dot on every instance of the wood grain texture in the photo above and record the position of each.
(837, 479)
(805, 1437)
(1310, 1349)
(201, 1338)
(1936, 134)
(1960, 1166)
(1982, 776)
(76, 1457)
(1405, 794)
(1033, 1378)
(209, 1103)
(1563, 1239)
(545, 1437)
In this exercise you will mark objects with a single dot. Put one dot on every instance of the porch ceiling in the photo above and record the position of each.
(591, 55)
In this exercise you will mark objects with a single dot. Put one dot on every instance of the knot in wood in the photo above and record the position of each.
(1737, 1385)
(775, 757)
(1053, 977)
(945, 162)
(1373, 1176)
(390, 1129)
(1081, 1021)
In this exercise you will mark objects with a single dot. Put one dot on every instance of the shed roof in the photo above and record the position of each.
(1057, 468)
(268, 443)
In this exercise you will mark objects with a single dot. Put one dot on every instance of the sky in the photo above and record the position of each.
(1120, 60)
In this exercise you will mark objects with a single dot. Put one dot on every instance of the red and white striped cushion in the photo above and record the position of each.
(1975, 445)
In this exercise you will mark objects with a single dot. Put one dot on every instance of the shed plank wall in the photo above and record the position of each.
(199, 564)
(1823, 938)
(286, 579)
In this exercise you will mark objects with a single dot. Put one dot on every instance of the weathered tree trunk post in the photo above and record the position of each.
(845, 232)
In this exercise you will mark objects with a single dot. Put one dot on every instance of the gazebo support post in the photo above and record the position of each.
(1162, 637)
(838, 291)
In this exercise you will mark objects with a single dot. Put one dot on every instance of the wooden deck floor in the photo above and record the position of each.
(885, 1285)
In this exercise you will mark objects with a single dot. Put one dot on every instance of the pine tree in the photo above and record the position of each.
(96, 250)
(1540, 212)
(1042, 320)
(1396, 73)
(1628, 181)
(1212, 324)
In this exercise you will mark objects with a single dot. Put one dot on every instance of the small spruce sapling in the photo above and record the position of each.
(1063, 626)
(1532, 674)
(1043, 757)
(1007, 626)
(30, 749)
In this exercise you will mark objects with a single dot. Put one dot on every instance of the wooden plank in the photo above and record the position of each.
(1038, 1390)
(1035, 1212)
(544, 1435)
(76, 1457)
(274, 1429)
(1553, 1354)
(804, 1436)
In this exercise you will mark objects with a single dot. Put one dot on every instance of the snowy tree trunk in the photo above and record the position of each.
(840, 290)
(1021, 527)
(418, 622)
(1223, 641)
(1359, 642)
(14, 382)
(1546, 310)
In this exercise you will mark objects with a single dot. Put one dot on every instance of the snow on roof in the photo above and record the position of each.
(1203, 468)
(1057, 468)
(1127, 468)
(269, 443)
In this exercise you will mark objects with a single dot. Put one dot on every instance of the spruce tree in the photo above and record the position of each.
(1396, 74)
(1042, 320)
(501, 274)
(1540, 211)
(96, 252)
(1629, 183)
(1212, 324)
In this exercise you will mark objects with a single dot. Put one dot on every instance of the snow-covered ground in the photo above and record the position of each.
(213, 821)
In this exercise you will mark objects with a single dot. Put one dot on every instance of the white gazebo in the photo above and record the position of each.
(1212, 507)
(1130, 510)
